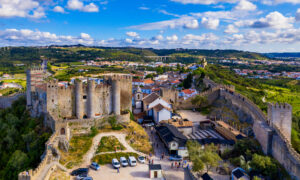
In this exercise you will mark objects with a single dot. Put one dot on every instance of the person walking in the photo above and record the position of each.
(152, 161)
(172, 165)
(118, 170)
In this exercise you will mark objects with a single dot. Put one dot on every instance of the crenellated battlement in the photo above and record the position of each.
(277, 106)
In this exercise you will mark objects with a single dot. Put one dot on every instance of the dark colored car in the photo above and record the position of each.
(80, 171)
(175, 158)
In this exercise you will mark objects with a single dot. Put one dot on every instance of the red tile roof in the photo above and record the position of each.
(188, 91)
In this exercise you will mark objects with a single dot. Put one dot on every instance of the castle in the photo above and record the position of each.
(77, 100)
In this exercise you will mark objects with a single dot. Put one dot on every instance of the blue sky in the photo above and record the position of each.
(252, 25)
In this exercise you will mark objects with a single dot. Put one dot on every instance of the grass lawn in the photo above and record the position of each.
(79, 145)
(107, 158)
(138, 138)
(109, 144)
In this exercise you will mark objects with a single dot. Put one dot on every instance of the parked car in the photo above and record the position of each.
(123, 161)
(80, 171)
(176, 158)
(81, 176)
(84, 178)
(95, 166)
(115, 163)
(141, 159)
(132, 161)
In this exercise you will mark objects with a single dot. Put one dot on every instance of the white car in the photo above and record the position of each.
(123, 161)
(132, 161)
(115, 163)
(141, 159)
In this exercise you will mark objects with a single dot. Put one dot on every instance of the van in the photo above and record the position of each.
(123, 161)
(115, 163)
(132, 161)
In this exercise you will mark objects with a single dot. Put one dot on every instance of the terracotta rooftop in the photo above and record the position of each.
(188, 91)
(148, 81)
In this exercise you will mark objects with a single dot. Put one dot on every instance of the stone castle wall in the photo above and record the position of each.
(272, 132)
(6, 101)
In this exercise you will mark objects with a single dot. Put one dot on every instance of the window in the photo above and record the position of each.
(84, 97)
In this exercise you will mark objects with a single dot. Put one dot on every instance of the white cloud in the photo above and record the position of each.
(78, 5)
(59, 9)
(274, 2)
(128, 40)
(30, 37)
(158, 37)
(207, 2)
(264, 37)
(172, 38)
(182, 22)
(132, 34)
(245, 5)
(21, 8)
(144, 8)
(273, 20)
(231, 29)
(197, 40)
(297, 17)
(210, 23)
(193, 24)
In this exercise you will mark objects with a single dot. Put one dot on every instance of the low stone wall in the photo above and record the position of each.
(36, 174)
(6, 101)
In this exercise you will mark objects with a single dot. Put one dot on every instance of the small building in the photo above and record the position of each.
(173, 139)
(155, 171)
(138, 101)
(239, 174)
(183, 125)
(228, 131)
(161, 113)
(152, 100)
(187, 93)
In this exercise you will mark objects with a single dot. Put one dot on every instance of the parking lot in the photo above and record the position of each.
(107, 172)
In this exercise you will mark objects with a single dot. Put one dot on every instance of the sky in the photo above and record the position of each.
(250, 25)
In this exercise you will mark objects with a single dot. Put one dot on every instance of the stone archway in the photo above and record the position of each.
(62, 131)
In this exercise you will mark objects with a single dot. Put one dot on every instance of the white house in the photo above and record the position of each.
(161, 113)
(157, 108)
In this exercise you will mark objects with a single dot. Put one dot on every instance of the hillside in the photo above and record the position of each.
(76, 53)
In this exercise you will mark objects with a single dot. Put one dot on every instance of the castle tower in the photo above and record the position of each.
(78, 99)
(116, 97)
(90, 99)
(28, 88)
(280, 116)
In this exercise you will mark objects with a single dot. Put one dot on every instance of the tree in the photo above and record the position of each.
(201, 156)
(187, 82)
(264, 165)
(200, 101)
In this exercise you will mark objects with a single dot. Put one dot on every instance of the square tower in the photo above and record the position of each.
(280, 116)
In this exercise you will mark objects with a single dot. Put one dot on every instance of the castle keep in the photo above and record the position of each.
(78, 100)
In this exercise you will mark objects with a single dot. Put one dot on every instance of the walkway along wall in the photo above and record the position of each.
(271, 138)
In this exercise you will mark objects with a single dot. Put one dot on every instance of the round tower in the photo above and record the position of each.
(116, 97)
(90, 102)
(78, 99)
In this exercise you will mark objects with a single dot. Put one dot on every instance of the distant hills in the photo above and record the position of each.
(80, 52)
(283, 55)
